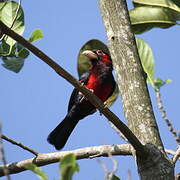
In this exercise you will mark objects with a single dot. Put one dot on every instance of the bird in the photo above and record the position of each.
(100, 81)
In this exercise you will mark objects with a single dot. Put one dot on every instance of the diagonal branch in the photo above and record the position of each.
(19, 144)
(88, 94)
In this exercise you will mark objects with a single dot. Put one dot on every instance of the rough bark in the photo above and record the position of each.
(134, 93)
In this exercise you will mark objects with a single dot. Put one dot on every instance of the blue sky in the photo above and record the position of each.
(35, 100)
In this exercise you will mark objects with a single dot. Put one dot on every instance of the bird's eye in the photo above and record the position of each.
(99, 52)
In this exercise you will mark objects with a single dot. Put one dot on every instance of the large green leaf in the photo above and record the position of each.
(145, 18)
(68, 166)
(84, 64)
(10, 16)
(161, 3)
(38, 171)
(177, 2)
(147, 59)
(2, 4)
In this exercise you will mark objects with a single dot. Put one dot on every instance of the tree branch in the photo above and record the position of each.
(88, 94)
(177, 155)
(89, 152)
(49, 158)
(164, 116)
(131, 81)
(130, 75)
(19, 144)
(2, 154)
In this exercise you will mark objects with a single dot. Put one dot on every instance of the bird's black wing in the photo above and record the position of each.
(74, 96)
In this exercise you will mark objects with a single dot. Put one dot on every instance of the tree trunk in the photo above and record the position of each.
(134, 93)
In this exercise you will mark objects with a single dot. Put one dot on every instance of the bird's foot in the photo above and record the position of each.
(84, 98)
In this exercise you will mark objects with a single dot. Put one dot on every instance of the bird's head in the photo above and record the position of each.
(97, 55)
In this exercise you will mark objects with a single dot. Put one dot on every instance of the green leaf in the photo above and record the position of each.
(14, 64)
(68, 167)
(8, 12)
(158, 83)
(23, 53)
(4, 48)
(177, 2)
(145, 18)
(168, 81)
(13, 59)
(147, 59)
(2, 4)
(84, 64)
(160, 3)
(36, 36)
(41, 174)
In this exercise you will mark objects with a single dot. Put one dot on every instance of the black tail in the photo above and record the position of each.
(59, 136)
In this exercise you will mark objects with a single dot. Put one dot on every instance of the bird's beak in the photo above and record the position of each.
(90, 54)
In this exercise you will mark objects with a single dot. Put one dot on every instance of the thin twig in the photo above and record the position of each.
(19, 144)
(164, 116)
(103, 166)
(109, 174)
(2, 153)
(114, 162)
(177, 155)
(118, 131)
(140, 149)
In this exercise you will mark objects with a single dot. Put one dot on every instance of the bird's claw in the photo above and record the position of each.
(84, 98)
